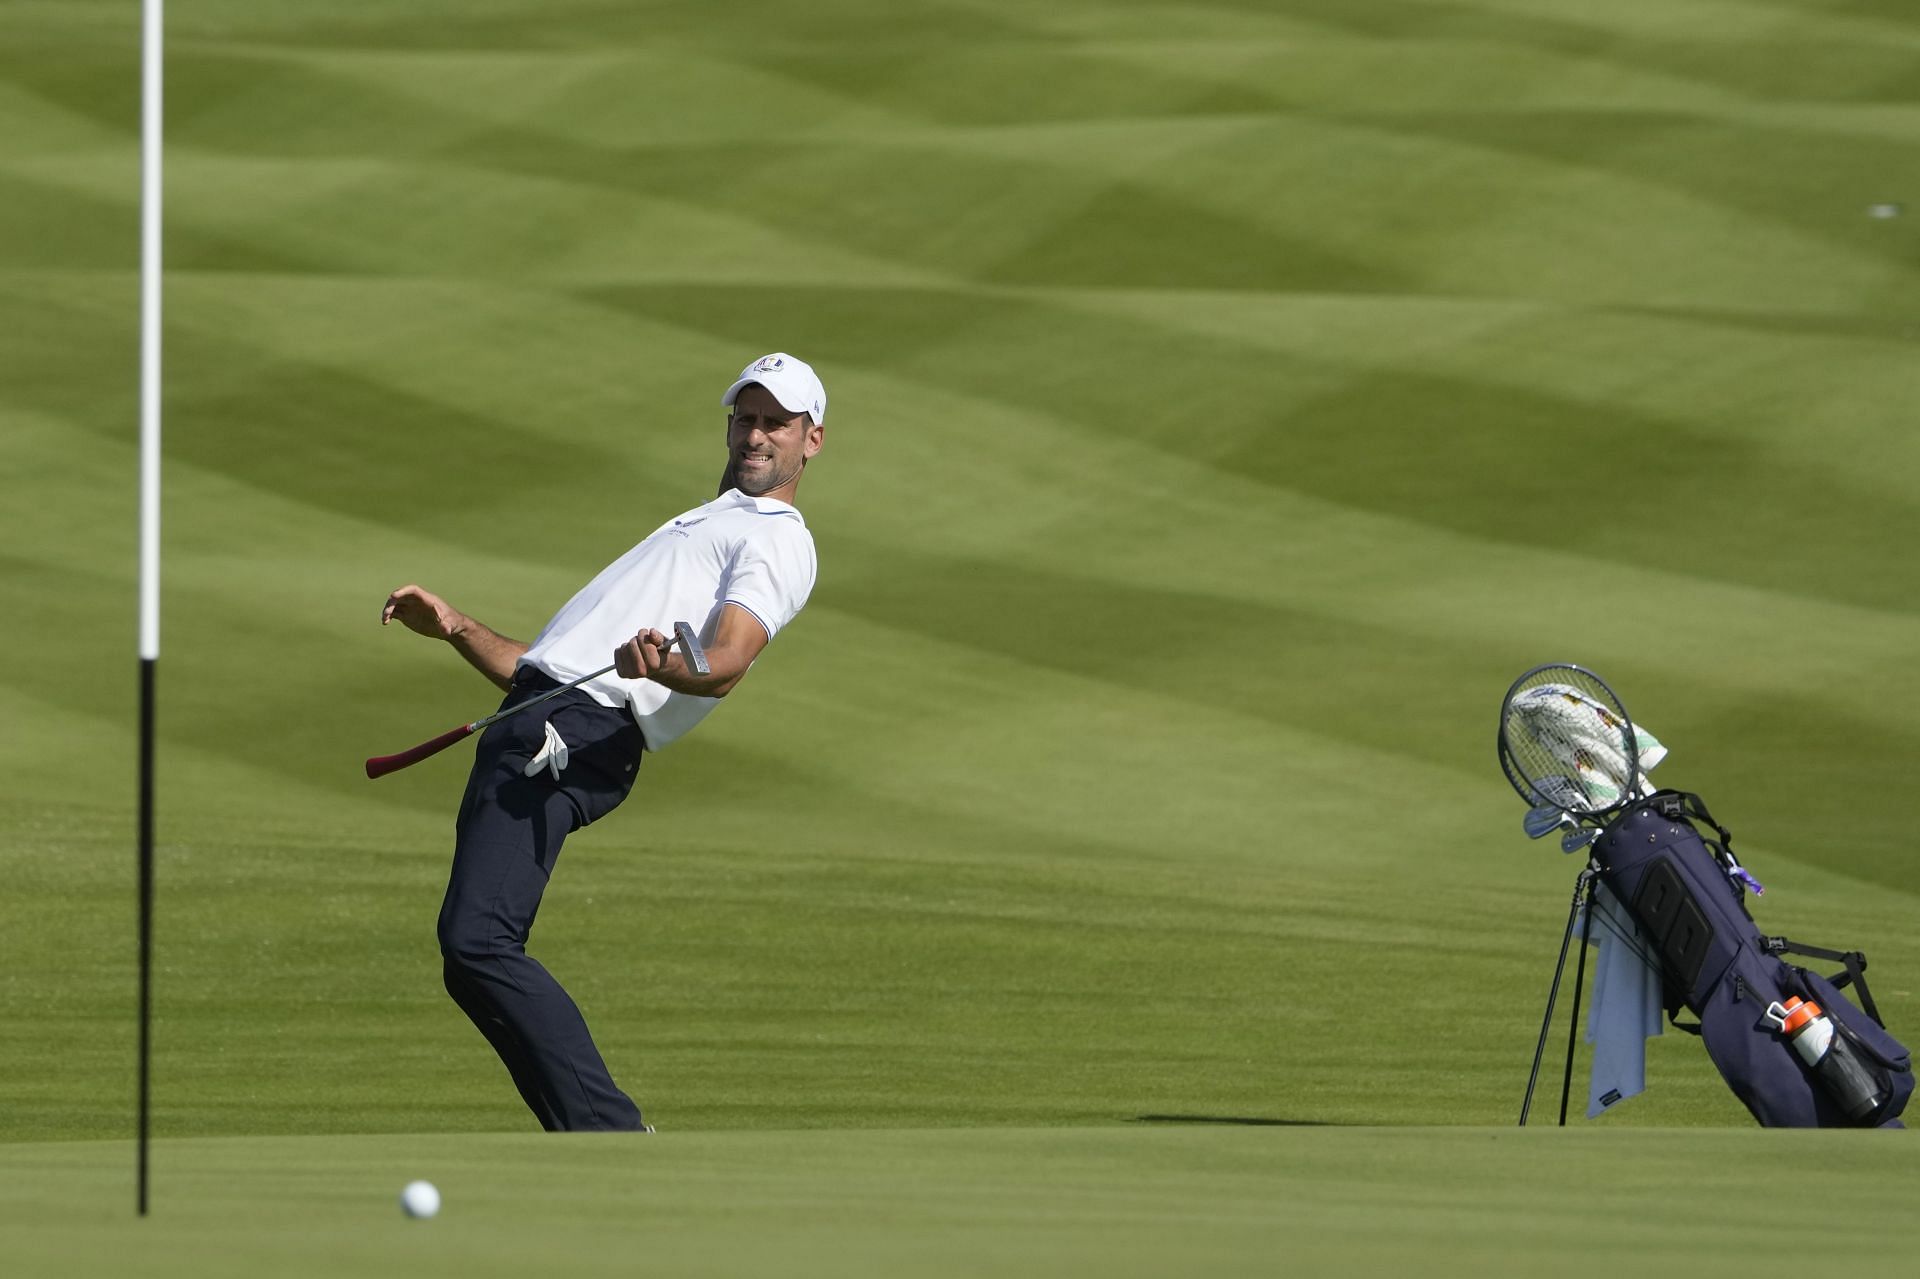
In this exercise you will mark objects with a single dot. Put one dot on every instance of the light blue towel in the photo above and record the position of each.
(1626, 1009)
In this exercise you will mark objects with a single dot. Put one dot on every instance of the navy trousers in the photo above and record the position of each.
(507, 837)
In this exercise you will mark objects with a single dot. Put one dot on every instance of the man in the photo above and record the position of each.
(739, 568)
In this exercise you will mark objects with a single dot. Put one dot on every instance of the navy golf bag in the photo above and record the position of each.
(1680, 888)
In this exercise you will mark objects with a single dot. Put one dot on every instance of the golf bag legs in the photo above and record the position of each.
(1553, 992)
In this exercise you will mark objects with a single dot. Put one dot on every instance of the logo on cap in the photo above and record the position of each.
(768, 364)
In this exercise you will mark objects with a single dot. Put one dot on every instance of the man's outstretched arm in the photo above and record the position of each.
(486, 650)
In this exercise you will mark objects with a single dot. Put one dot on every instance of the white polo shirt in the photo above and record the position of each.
(750, 551)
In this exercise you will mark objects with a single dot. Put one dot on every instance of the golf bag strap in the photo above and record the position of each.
(1677, 805)
(1684, 806)
(1855, 963)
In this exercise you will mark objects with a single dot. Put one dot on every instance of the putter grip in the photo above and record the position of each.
(381, 765)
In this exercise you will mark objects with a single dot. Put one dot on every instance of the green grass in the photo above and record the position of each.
(1193, 1200)
(1229, 401)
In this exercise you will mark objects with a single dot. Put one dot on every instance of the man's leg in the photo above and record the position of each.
(470, 997)
(509, 834)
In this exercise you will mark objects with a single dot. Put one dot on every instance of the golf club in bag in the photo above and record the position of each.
(1794, 1049)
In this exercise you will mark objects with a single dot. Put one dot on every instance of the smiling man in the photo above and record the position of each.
(740, 568)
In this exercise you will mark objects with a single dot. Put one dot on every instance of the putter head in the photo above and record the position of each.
(690, 645)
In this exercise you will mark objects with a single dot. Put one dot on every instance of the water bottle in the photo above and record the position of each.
(1832, 1056)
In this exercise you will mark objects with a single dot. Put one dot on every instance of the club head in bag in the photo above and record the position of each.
(1543, 820)
(1561, 794)
(1578, 838)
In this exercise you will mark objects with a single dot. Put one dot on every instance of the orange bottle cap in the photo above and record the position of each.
(1799, 1013)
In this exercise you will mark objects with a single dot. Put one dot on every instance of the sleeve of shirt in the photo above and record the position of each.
(772, 573)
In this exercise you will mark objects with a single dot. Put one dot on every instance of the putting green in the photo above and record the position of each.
(1189, 1200)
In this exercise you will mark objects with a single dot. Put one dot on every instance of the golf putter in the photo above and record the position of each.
(683, 638)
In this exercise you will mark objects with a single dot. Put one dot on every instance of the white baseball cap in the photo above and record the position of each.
(791, 381)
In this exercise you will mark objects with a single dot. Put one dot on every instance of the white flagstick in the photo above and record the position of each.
(150, 135)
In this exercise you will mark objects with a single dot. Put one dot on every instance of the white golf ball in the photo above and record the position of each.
(420, 1199)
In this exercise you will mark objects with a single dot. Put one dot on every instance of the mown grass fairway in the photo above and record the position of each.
(1228, 401)
(1458, 1202)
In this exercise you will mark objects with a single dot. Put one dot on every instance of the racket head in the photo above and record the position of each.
(1566, 742)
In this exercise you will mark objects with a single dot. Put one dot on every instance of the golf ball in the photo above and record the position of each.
(420, 1199)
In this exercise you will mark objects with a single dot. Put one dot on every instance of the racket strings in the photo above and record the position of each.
(1566, 741)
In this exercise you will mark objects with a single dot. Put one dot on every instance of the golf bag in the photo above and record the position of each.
(1714, 960)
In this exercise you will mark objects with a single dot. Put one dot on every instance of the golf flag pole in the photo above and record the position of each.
(152, 25)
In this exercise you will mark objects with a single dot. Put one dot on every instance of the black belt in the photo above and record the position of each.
(535, 678)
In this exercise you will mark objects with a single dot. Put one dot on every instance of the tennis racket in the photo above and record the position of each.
(1567, 744)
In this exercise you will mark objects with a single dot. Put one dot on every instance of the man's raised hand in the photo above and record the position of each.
(422, 612)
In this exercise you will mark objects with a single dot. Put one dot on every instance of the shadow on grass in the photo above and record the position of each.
(1243, 1120)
